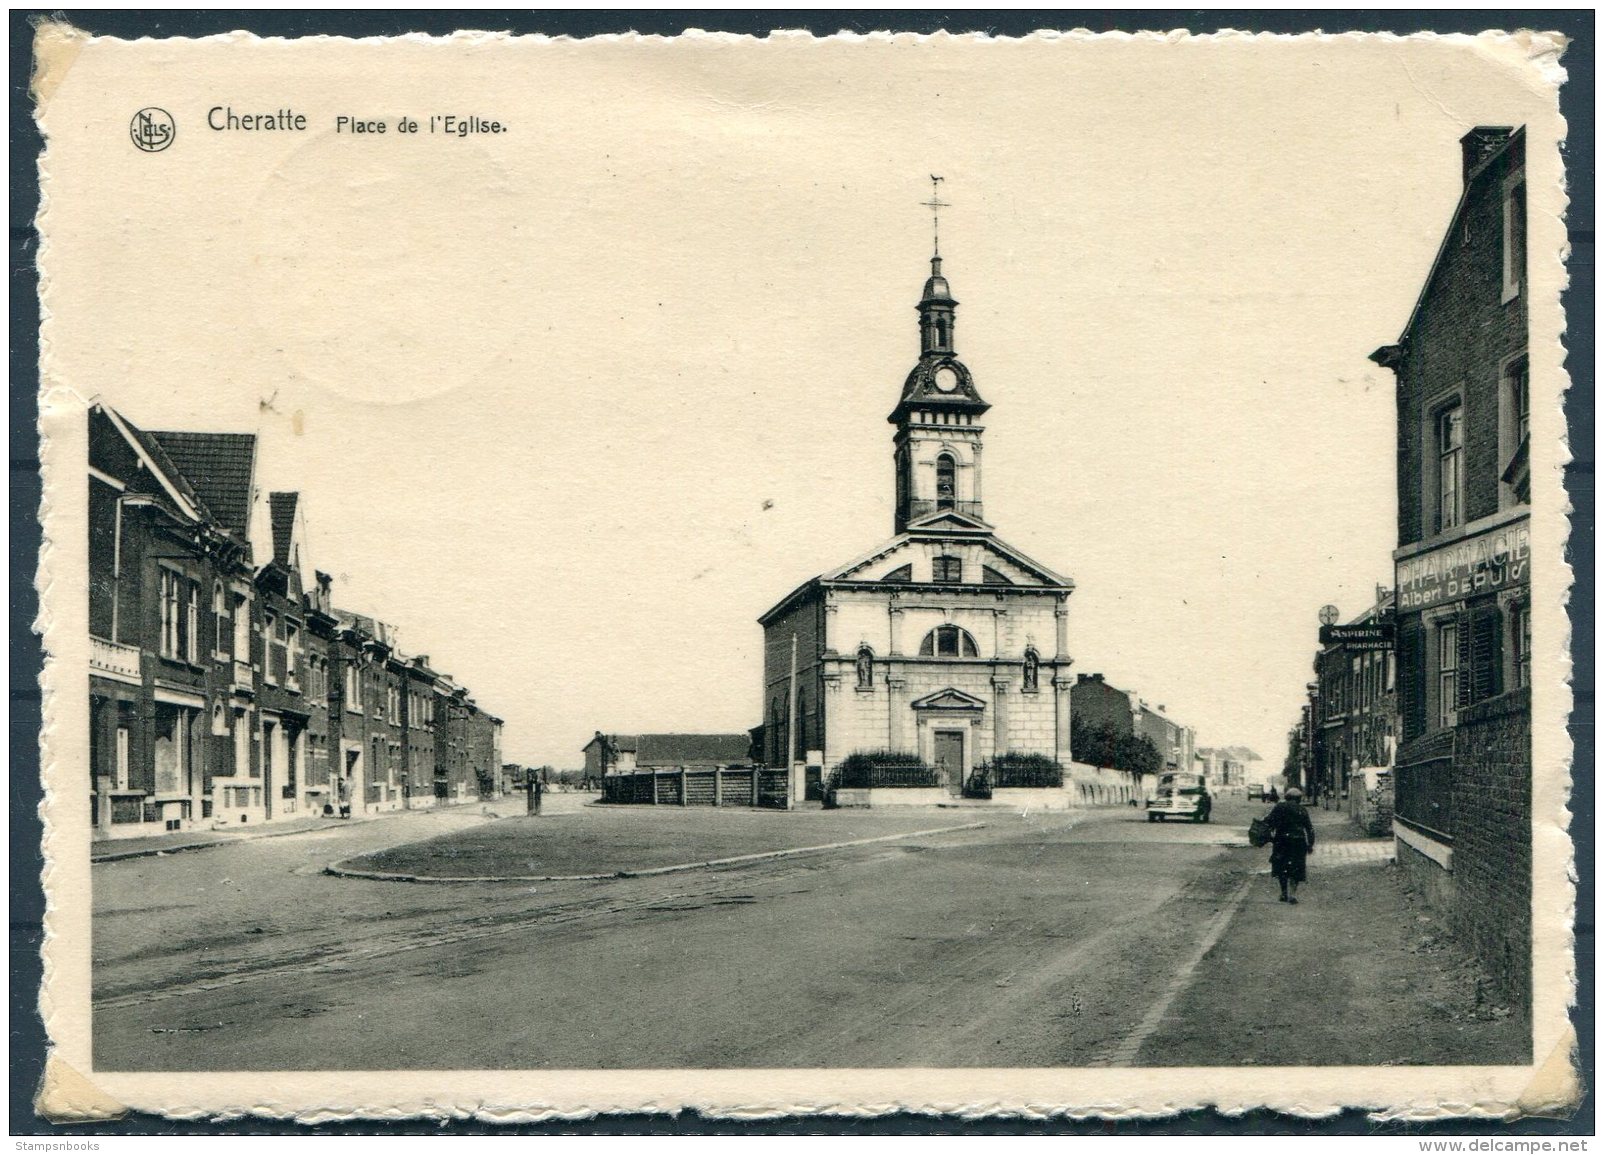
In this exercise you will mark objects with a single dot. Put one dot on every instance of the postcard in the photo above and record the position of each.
(804, 574)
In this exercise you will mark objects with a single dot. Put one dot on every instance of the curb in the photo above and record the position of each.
(236, 839)
(340, 871)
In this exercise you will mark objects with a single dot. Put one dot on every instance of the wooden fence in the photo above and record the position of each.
(747, 787)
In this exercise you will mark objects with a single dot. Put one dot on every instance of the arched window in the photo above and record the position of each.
(1032, 670)
(865, 668)
(946, 481)
(948, 642)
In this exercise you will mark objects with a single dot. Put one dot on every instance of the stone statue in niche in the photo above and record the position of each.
(1032, 669)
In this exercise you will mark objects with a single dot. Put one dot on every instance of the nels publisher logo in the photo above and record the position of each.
(152, 129)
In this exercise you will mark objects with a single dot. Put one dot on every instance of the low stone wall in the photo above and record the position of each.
(856, 798)
(1020, 798)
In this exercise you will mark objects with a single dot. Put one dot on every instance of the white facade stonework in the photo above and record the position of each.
(945, 641)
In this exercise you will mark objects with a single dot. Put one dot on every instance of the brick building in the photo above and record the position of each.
(612, 754)
(223, 692)
(944, 641)
(1098, 705)
(171, 596)
(1355, 707)
(1463, 807)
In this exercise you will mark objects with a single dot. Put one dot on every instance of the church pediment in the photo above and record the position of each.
(948, 519)
(984, 560)
(949, 699)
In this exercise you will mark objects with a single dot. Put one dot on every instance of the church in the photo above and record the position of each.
(944, 641)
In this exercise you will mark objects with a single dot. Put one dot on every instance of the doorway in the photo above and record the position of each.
(949, 759)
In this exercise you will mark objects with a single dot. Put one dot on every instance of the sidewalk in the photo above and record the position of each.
(120, 849)
(1356, 974)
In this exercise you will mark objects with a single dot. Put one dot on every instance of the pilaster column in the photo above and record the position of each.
(1061, 751)
(894, 613)
(999, 717)
(896, 708)
(1061, 614)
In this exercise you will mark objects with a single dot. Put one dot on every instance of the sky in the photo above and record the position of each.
(572, 405)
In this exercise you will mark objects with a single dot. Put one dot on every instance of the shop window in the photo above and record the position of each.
(1520, 635)
(1447, 671)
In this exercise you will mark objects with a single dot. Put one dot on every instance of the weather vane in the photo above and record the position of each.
(935, 204)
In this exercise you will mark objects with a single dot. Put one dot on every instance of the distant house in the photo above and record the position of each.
(609, 754)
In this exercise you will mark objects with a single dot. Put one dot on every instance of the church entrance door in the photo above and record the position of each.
(949, 759)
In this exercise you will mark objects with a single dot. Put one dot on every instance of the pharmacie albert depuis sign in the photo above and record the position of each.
(1494, 561)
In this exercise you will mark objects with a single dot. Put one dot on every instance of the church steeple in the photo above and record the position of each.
(937, 313)
(937, 444)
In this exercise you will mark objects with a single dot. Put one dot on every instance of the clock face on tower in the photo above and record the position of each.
(946, 379)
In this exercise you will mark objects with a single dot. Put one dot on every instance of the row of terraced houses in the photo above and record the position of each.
(227, 689)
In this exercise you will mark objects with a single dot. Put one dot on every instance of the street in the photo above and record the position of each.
(1082, 939)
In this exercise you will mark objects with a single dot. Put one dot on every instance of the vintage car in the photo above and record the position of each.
(1180, 795)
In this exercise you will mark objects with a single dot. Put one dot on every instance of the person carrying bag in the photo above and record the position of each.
(1291, 839)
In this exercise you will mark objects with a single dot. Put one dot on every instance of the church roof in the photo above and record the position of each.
(924, 388)
(866, 569)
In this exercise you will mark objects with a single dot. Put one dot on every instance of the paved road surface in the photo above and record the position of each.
(1051, 940)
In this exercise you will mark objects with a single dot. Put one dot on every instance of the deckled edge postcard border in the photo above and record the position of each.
(71, 1091)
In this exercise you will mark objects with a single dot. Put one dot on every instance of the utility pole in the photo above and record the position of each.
(790, 736)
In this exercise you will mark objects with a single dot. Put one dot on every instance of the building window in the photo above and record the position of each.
(1515, 408)
(947, 569)
(1514, 239)
(292, 660)
(170, 614)
(1447, 671)
(219, 618)
(269, 646)
(191, 623)
(242, 629)
(1450, 468)
(1520, 636)
(946, 482)
(949, 642)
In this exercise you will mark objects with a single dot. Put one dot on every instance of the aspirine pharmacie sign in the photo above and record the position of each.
(1493, 561)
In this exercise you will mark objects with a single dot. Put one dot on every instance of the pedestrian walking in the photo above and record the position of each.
(1291, 840)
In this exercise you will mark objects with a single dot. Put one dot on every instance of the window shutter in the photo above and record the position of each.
(1411, 676)
(1462, 637)
(1486, 658)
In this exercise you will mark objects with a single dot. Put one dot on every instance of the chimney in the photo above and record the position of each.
(1480, 143)
(1083, 678)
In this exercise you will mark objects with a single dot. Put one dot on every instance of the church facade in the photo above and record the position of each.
(944, 641)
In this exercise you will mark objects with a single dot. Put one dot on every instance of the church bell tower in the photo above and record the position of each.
(937, 443)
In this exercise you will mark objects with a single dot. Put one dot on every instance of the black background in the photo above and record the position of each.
(27, 898)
